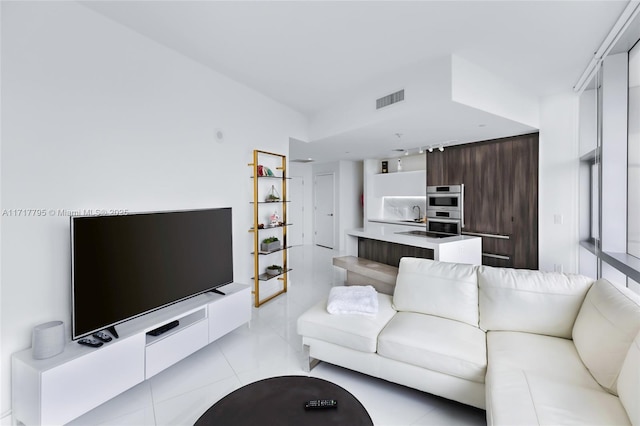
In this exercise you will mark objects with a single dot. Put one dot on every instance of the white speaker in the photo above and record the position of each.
(47, 339)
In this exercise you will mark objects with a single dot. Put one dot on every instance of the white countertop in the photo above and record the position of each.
(399, 222)
(392, 236)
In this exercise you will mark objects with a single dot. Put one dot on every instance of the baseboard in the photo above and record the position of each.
(5, 418)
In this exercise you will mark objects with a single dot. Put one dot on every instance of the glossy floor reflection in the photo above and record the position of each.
(271, 347)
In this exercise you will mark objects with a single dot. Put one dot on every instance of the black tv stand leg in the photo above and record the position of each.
(215, 290)
(113, 331)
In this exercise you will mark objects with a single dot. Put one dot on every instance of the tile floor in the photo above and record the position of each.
(268, 347)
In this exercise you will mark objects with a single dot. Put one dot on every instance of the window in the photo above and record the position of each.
(603, 208)
(633, 153)
(589, 163)
(595, 202)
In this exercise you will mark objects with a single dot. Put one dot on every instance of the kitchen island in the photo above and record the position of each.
(379, 244)
(373, 254)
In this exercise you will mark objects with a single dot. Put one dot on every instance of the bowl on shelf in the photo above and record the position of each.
(274, 270)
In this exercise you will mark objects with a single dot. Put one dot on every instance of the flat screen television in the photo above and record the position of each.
(128, 265)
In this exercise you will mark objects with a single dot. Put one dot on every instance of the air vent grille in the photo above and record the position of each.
(390, 99)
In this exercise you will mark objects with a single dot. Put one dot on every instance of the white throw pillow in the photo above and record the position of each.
(447, 290)
(607, 323)
(530, 301)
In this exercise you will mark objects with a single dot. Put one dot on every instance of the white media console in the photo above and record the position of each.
(59, 389)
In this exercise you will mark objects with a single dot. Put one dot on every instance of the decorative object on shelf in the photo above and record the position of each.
(264, 171)
(274, 219)
(274, 270)
(270, 244)
(273, 195)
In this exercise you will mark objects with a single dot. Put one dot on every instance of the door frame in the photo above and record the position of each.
(315, 207)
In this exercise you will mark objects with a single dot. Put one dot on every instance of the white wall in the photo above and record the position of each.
(476, 87)
(588, 263)
(97, 116)
(351, 192)
(558, 183)
(588, 122)
(305, 171)
(633, 197)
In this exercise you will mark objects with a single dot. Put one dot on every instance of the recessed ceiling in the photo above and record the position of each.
(313, 55)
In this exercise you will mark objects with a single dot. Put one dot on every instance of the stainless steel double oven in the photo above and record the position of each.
(445, 209)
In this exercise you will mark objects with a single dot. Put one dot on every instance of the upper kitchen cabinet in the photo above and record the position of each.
(501, 195)
(403, 184)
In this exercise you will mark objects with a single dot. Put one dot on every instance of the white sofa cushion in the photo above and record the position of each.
(536, 379)
(530, 301)
(519, 397)
(607, 323)
(447, 290)
(359, 332)
(546, 356)
(435, 343)
(629, 382)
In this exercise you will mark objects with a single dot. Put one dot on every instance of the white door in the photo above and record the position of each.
(323, 207)
(295, 211)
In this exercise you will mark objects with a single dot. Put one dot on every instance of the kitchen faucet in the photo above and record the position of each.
(419, 215)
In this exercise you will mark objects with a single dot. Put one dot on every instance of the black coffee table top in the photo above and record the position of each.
(281, 400)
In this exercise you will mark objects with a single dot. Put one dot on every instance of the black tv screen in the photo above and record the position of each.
(127, 265)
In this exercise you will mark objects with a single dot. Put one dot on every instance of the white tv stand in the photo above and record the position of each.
(59, 389)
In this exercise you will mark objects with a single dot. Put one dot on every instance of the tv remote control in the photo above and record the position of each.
(90, 342)
(320, 403)
(164, 328)
(101, 335)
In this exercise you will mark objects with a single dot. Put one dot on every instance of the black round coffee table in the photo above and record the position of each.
(281, 401)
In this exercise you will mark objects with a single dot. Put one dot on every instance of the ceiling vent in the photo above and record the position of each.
(390, 99)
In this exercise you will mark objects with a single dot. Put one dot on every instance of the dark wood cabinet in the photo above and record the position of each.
(389, 253)
(501, 195)
(525, 203)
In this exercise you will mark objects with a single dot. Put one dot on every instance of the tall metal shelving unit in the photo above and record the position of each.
(259, 202)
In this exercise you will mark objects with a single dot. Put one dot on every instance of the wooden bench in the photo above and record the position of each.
(362, 271)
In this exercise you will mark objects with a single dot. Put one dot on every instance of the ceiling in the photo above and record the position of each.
(312, 55)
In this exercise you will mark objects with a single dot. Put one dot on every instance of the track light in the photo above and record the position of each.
(441, 148)
(430, 149)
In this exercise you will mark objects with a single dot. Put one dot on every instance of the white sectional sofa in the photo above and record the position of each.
(529, 347)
